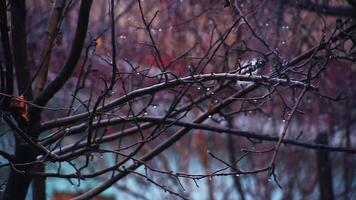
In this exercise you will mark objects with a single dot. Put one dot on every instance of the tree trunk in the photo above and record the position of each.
(39, 184)
(19, 181)
(324, 170)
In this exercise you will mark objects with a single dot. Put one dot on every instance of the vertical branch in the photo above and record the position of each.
(113, 76)
(285, 128)
(39, 184)
(148, 28)
(19, 42)
(324, 170)
(113, 44)
(6, 47)
(74, 55)
(52, 31)
(18, 182)
(348, 165)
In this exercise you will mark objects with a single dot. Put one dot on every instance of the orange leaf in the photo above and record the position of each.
(20, 103)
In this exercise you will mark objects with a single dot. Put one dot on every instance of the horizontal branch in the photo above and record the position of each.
(158, 87)
(164, 145)
(339, 11)
(7, 156)
(161, 86)
(154, 120)
(173, 83)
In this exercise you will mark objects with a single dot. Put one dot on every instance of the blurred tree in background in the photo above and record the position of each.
(178, 99)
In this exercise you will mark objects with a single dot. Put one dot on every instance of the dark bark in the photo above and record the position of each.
(39, 184)
(18, 22)
(25, 151)
(19, 182)
(352, 3)
(338, 11)
(324, 170)
(7, 50)
(349, 164)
